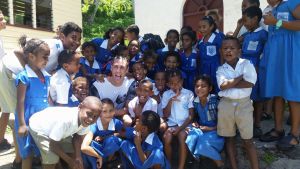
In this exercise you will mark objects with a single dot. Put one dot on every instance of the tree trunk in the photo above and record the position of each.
(92, 16)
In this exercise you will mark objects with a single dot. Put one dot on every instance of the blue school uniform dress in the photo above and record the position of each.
(134, 59)
(90, 69)
(162, 53)
(279, 66)
(108, 146)
(189, 67)
(151, 145)
(103, 55)
(210, 57)
(201, 143)
(36, 99)
(252, 50)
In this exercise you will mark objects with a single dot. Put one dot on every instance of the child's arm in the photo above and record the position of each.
(231, 83)
(77, 141)
(86, 148)
(186, 122)
(56, 148)
(167, 109)
(138, 142)
(206, 128)
(244, 84)
(21, 90)
(238, 27)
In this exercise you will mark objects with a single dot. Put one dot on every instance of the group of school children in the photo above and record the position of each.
(130, 102)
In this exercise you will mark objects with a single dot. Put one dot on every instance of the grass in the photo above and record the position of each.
(269, 157)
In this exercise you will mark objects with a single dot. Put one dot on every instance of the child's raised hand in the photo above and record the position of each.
(138, 138)
(99, 162)
(240, 23)
(138, 108)
(23, 130)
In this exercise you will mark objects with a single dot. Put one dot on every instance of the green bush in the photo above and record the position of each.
(111, 13)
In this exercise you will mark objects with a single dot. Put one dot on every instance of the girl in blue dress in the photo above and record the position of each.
(146, 150)
(101, 143)
(189, 58)
(203, 139)
(171, 41)
(279, 68)
(134, 52)
(104, 46)
(32, 96)
(209, 49)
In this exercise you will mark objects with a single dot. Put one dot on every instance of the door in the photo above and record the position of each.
(194, 10)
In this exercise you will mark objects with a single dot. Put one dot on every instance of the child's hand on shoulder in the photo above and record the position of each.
(100, 78)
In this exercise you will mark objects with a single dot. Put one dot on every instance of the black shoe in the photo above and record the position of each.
(266, 116)
(4, 145)
(257, 132)
(16, 165)
(268, 137)
(285, 143)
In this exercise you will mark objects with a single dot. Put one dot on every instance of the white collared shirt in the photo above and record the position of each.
(60, 84)
(2, 53)
(159, 108)
(57, 123)
(31, 73)
(56, 46)
(226, 72)
(179, 109)
(149, 138)
(151, 104)
(12, 63)
(111, 125)
(94, 66)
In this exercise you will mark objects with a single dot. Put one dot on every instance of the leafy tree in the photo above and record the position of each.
(108, 14)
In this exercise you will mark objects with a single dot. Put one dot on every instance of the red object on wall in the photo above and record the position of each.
(194, 10)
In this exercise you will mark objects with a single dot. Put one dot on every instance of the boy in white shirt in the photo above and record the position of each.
(235, 78)
(60, 82)
(143, 100)
(60, 130)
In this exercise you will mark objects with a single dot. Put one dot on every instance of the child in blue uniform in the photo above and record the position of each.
(177, 104)
(102, 141)
(80, 90)
(253, 45)
(171, 41)
(112, 39)
(147, 150)
(172, 62)
(279, 69)
(32, 96)
(150, 61)
(134, 52)
(209, 49)
(189, 57)
(203, 139)
(90, 68)
(60, 84)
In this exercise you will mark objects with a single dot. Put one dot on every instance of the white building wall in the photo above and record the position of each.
(158, 16)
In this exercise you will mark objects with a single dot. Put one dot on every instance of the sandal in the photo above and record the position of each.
(266, 116)
(16, 165)
(268, 137)
(4, 145)
(257, 132)
(285, 142)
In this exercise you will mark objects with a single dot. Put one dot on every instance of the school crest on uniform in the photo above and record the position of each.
(211, 50)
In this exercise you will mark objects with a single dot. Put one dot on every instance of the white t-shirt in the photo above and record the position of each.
(116, 93)
(2, 53)
(226, 72)
(60, 84)
(56, 47)
(57, 123)
(159, 108)
(151, 104)
(12, 63)
(179, 109)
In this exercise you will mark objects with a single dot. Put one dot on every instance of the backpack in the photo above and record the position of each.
(151, 41)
